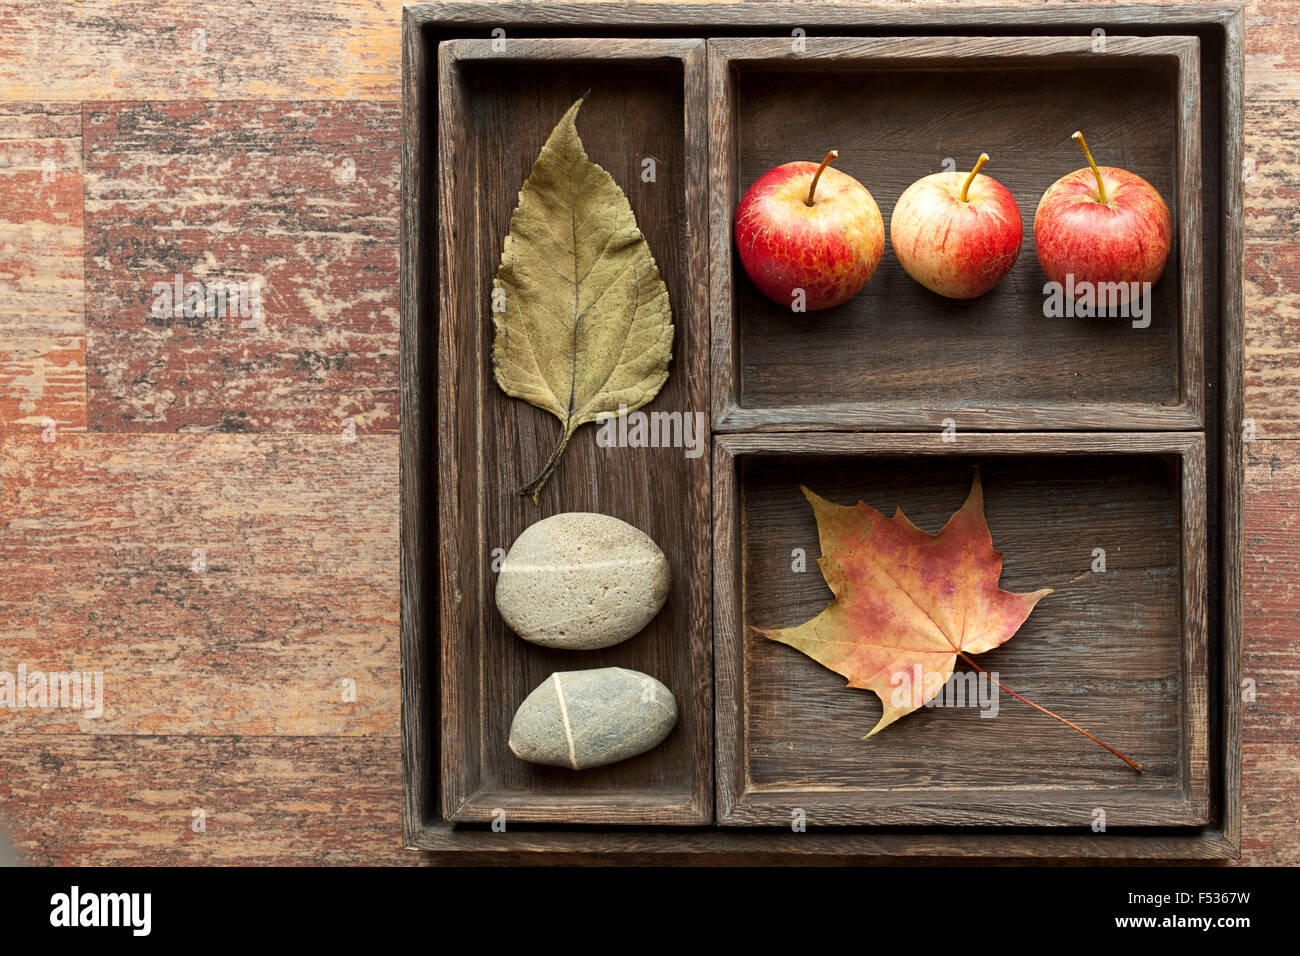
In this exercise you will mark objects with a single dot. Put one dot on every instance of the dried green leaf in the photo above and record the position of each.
(586, 325)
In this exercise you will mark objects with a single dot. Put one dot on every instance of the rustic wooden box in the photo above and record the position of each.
(703, 84)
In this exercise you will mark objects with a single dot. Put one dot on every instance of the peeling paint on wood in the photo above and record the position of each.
(293, 203)
(1272, 268)
(336, 49)
(265, 800)
(42, 311)
(221, 584)
(1271, 656)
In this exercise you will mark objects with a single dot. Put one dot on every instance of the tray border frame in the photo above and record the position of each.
(422, 828)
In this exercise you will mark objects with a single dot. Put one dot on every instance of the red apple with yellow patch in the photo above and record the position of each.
(809, 236)
(957, 233)
(1102, 225)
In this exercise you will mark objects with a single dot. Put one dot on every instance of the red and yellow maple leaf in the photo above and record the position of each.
(907, 603)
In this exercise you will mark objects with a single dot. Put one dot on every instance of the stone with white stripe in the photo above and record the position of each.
(582, 719)
(581, 581)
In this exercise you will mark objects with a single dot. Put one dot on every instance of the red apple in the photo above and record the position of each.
(1102, 225)
(809, 227)
(957, 234)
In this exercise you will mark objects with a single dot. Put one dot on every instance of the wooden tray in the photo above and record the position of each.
(1155, 668)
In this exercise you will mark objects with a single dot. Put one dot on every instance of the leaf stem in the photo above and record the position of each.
(1132, 763)
(1101, 186)
(534, 487)
(833, 154)
(984, 158)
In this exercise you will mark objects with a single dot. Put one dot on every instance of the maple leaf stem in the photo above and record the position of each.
(1132, 763)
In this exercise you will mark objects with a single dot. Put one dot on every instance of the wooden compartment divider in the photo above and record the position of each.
(897, 356)
(494, 115)
(1120, 652)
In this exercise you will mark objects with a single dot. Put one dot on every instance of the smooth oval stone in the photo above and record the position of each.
(581, 581)
(591, 718)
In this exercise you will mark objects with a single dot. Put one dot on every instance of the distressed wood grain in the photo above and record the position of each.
(132, 49)
(42, 310)
(274, 801)
(295, 593)
(1272, 58)
(1272, 267)
(297, 201)
(1271, 656)
(1272, 189)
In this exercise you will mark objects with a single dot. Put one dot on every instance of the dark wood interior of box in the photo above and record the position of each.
(635, 110)
(896, 342)
(1104, 650)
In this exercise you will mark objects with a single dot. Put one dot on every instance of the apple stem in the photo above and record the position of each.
(1101, 186)
(984, 158)
(833, 154)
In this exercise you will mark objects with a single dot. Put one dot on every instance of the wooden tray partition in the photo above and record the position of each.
(494, 116)
(1121, 652)
(897, 356)
(1088, 434)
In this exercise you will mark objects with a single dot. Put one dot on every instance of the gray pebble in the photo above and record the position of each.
(581, 581)
(582, 719)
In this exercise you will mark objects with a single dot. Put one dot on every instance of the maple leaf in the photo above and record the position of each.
(907, 603)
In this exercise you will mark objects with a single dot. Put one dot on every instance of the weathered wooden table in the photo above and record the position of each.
(204, 507)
